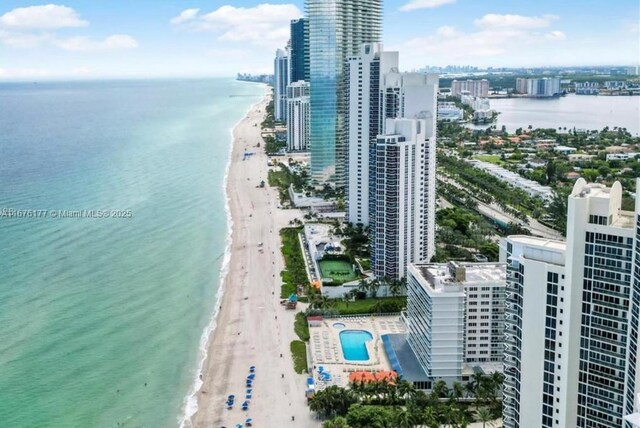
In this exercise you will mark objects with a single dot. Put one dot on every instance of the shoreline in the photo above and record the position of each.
(249, 327)
(190, 402)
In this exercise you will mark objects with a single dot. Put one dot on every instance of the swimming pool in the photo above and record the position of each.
(339, 325)
(354, 345)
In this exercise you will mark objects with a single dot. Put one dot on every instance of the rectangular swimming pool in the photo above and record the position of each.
(353, 344)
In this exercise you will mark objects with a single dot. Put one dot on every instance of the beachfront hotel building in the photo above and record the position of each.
(364, 74)
(455, 317)
(574, 363)
(337, 30)
(298, 116)
(280, 83)
(299, 50)
(475, 88)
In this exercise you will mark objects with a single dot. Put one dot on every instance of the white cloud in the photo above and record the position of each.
(425, 4)
(34, 26)
(263, 25)
(23, 40)
(497, 39)
(185, 16)
(494, 21)
(46, 17)
(556, 35)
(117, 41)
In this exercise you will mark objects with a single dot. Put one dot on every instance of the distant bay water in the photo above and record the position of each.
(101, 318)
(579, 111)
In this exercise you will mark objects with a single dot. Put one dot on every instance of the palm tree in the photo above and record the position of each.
(373, 287)
(401, 419)
(477, 379)
(338, 422)
(484, 415)
(407, 390)
(440, 389)
(457, 391)
(430, 418)
(394, 288)
(363, 286)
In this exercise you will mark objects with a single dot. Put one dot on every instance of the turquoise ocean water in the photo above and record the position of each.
(101, 318)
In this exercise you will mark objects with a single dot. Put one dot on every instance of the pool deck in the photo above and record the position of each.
(326, 350)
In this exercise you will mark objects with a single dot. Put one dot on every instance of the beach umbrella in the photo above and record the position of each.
(248, 391)
(231, 396)
(251, 376)
(248, 396)
(252, 368)
(248, 422)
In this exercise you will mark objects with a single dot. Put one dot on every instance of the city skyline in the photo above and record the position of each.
(79, 39)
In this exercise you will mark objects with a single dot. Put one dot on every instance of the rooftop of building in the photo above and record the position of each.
(534, 241)
(440, 275)
(608, 201)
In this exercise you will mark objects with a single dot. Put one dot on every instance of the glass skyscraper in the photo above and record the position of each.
(299, 51)
(337, 29)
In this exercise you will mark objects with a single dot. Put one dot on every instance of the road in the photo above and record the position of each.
(494, 211)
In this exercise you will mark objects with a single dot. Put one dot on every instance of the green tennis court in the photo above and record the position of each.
(338, 270)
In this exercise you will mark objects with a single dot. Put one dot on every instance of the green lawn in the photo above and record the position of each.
(340, 271)
(299, 354)
(295, 273)
(301, 327)
(490, 158)
(365, 263)
(370, 306)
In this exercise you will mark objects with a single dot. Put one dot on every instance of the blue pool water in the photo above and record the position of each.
(354, 344)
(339, 325)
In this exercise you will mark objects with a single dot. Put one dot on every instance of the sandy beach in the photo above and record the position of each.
(252, 327)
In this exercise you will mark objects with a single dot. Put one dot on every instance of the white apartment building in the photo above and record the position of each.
(435, 323)
(475, 88)
(544, 87)
(475, 103)
(574, 364)
(533, 188)
(521, 85)
(587, 88)
(533, 311)
(379, 92)
(623, 156)
(414, 96)
(364, 122)
(298, 116)
(447, 299)
(399, 232)
(280, 83)
(447, 111)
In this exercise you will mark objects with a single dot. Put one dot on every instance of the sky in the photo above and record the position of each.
(182, 38)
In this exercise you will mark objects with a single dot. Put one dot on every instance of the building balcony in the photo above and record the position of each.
(509, 411)
(510, 382)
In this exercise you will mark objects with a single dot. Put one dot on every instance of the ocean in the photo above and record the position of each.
(102, 312)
